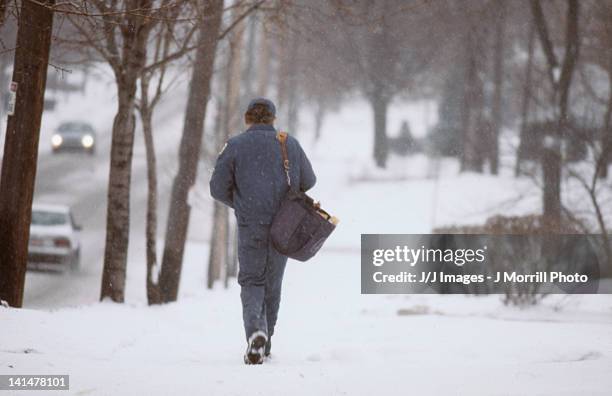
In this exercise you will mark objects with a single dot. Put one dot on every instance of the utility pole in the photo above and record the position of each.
(21, 145)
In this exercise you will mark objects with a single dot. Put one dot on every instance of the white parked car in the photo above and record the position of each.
(54, 239)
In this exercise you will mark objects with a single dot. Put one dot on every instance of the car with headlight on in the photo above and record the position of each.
(74, 136)
(54, 239)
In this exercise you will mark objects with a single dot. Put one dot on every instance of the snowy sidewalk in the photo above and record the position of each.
(330, 340)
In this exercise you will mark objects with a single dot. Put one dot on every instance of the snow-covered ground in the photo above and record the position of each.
(330, 339)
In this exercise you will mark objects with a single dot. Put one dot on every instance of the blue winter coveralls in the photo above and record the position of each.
(249, 177)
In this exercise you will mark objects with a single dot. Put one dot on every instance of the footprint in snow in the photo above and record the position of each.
(25, 350)
(315, 357)
(589, 355)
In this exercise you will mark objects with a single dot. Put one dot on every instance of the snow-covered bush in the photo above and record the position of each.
(524, 255)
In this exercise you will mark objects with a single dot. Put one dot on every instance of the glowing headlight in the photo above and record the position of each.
(56, 140)
(87, 141)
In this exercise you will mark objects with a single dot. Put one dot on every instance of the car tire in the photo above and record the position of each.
(75, 261)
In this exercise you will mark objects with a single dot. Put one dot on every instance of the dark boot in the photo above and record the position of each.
(256, 348)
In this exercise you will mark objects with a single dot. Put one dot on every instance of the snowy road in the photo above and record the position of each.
(80, 181)
(76, 180)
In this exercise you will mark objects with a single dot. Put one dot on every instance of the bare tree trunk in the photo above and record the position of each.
(5, 60)
(319, 117)
(146, 115)
(380, 106)
(189, 152)
(263, 64)
(380, 47)
(282, 75)
(471, 159)
(21, 146)
(287, 80)
(293, 85)
(607, 129)
(118, 210)
(219, 226)
(498, 82)
(249, 68)
(526, 100)
(551, 157)
(219, 245)
(85, 79)
(551, 166)
(146, 108)
(127, 72)
(2, 11)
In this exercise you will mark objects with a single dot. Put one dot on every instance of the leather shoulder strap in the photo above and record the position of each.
(282, 139)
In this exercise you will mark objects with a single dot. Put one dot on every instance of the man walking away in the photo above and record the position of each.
(249, 177)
